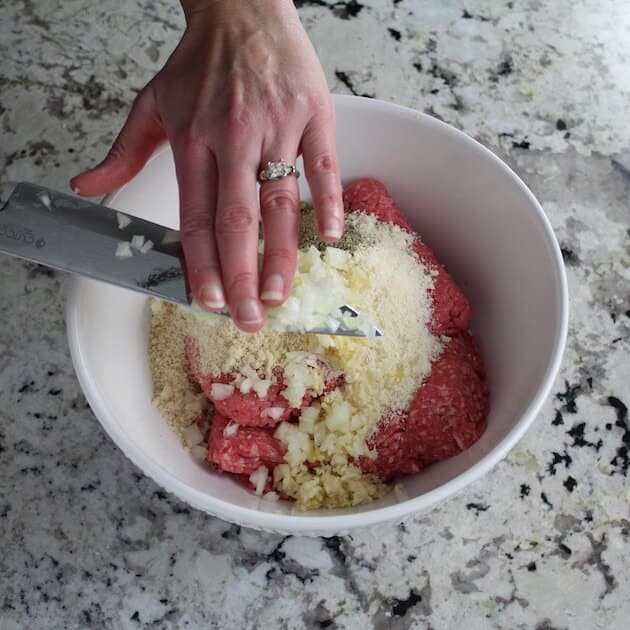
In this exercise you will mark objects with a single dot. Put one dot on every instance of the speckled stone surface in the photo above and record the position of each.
(543, 541)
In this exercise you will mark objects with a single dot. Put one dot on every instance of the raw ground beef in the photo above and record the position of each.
(446, 415)
(244, 451)
(245, 409)
(451, 310)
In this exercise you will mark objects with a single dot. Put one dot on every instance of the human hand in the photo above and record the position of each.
(243, 87)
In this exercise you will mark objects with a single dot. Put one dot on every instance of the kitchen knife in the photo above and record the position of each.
(71, 234)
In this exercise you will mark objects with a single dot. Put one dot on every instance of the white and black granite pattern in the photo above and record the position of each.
(543, 541)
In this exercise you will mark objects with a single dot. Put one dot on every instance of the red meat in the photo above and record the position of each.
(446, 416)
(451, 310)
(369, 195)
(244, 451)
(464, 346)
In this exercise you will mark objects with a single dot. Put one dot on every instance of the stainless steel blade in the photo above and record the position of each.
(72, 234)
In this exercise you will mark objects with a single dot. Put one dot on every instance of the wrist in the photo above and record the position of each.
(194, 9)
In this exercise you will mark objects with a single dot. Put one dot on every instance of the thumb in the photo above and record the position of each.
(135, 143)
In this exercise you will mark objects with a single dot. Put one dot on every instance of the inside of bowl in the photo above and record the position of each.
(482, 223)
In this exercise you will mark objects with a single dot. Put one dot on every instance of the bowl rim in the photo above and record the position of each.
(332, 524)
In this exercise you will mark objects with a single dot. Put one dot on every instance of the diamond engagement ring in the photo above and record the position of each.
(277, 170)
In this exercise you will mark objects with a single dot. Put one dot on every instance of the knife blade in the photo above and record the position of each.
(72, 234)
(75, 235)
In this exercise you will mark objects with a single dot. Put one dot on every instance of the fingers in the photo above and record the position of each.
(135, 143)
(197, 180)
(236, 225)
(322, 172)
(280, 211)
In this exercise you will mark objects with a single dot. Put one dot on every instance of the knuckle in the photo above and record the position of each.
(235, 219)
(244, 279)
(194, 219)
(206, 268)
(143, 98)
(279, 200)
(238, 122)
(319, 103)
(118, 150)
(280, 255)
(189, 141)
(323, 164)
(329, 201)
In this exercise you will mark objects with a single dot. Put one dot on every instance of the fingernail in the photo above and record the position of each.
(248, 311)
(333, 229)
(212, 296)
(333, 233)
(273, 288)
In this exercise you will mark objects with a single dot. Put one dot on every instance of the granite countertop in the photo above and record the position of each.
(542, 541)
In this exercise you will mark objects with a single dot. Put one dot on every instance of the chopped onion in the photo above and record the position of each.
(198, 452)
(123, 250)
(192, 435)
(137, 241)
(221, 391)
(319, 289)
(338, 419)
(275, 413)
(338, 460)
(271, 496)
(259, 479)
(335, 257)
(123, 220)
(146, 247)
(299, 444)
(280, 472)
(45, 199)
(306, 357)
(230, 429)
(332, 324)
(252, 381)
(246, 386)
(308, 418)
(261, 387)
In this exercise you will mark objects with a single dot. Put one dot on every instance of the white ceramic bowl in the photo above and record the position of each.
(482, 222)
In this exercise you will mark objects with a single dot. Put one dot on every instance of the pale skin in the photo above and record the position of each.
(243, 87)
